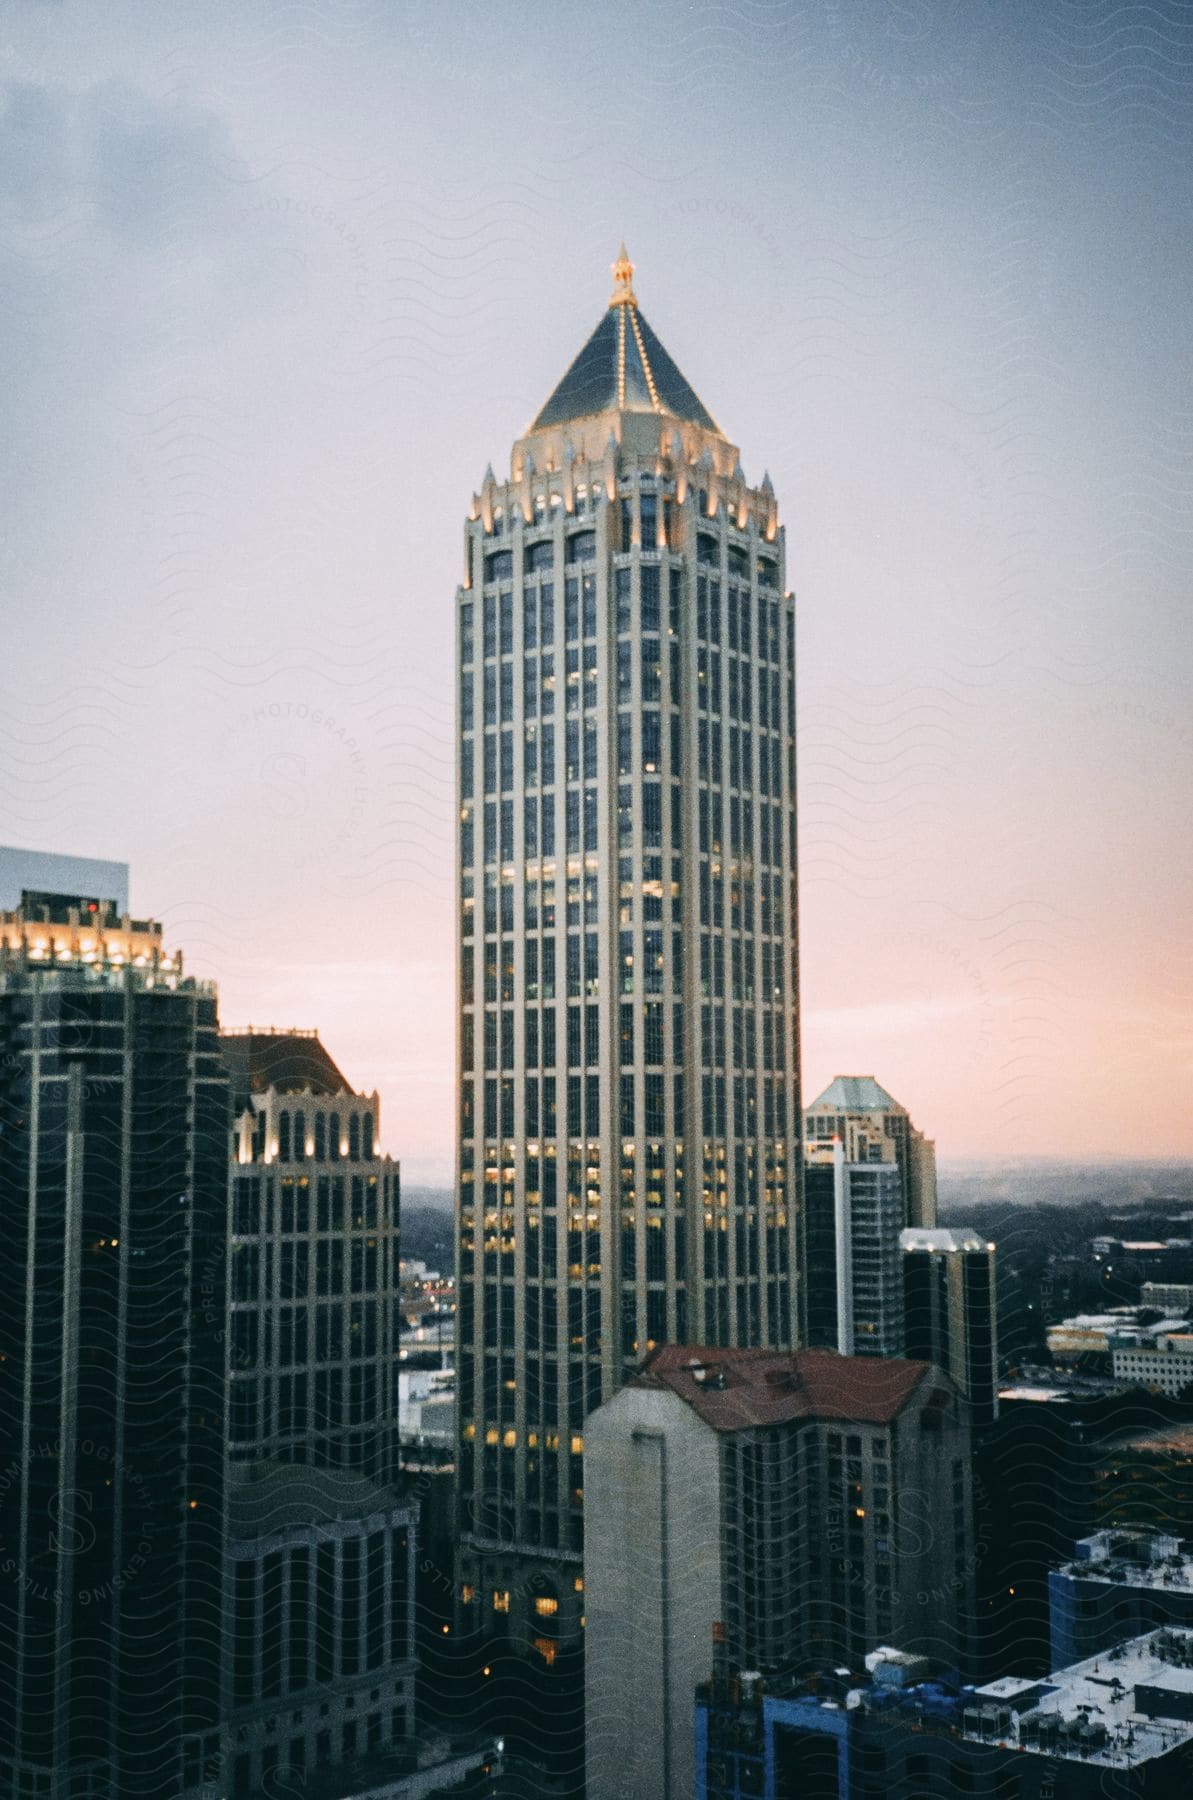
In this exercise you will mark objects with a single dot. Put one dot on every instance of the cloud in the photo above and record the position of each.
(132, 245)
(112, 160)
(885, 1018)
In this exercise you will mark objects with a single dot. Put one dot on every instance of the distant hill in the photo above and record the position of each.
(438, 1199)
(995, 1191)
(1045, 1182)
(1040, 1181)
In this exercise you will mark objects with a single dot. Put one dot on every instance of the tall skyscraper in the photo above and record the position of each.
(629, 1120)
(113, 1195)
(869, 1174)
(867, 1216)
(874, 1127)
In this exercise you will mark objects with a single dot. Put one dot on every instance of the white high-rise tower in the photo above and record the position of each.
(629, 1114)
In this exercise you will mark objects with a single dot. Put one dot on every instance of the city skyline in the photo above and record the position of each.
(263, 345)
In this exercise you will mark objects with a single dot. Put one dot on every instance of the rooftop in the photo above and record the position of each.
(377, 1775)
(291, 1061)
(1122, 1324)
(43, 871)
(623, 368)
(1123, 1707)
(733, 1390)
(1132, 1558)
(917, 1238)
(853, 1094)
(1166, 1440)
(1119, 1708)
(1048, 1383)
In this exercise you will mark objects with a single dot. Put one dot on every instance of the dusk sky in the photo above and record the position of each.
(280, 279)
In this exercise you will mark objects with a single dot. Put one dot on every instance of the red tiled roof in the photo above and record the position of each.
(733, 1390)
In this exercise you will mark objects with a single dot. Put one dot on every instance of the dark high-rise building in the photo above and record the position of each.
(313, 1254)
(868, 1174)
(629, 1125)
(113, 1193)
(320, 1665)
(319, 1675)
(855, 1278)
(950, 1311)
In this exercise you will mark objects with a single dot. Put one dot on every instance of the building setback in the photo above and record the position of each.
(629, 1121)
(807, 1506)
(114, 1115)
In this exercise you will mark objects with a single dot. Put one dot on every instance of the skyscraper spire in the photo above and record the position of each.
(623, 280)
(629, 1145)
(623, 367)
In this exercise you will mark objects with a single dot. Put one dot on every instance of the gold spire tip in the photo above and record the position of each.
(623, 280)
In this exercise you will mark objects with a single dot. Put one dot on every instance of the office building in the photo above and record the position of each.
(1120, 1581)
(868, 1175)
(1167, 1296)
(1165, 1365)
(320, 1674)
(114, 1113)
(1108, 1728)
(35, 873)
(950, 1311)
(629, 1118)
(320, 1598)
(807, 1505)
(855, 1266)
(313, 1259)
(874, 1127)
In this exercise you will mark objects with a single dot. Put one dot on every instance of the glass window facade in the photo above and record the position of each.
(629, 1153)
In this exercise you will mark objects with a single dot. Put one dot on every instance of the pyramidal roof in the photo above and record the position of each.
(854, 1094)
(624, 368)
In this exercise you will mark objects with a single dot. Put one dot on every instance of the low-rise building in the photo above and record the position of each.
(1119, 1583)
(1115, 1727)
(808, 1503)
(427, 1409)
(1167, 1296)
(1164, 1364)
(1098, 1334)
(1146, 1474)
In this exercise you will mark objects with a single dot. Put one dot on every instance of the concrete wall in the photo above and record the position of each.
(652, 1554)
